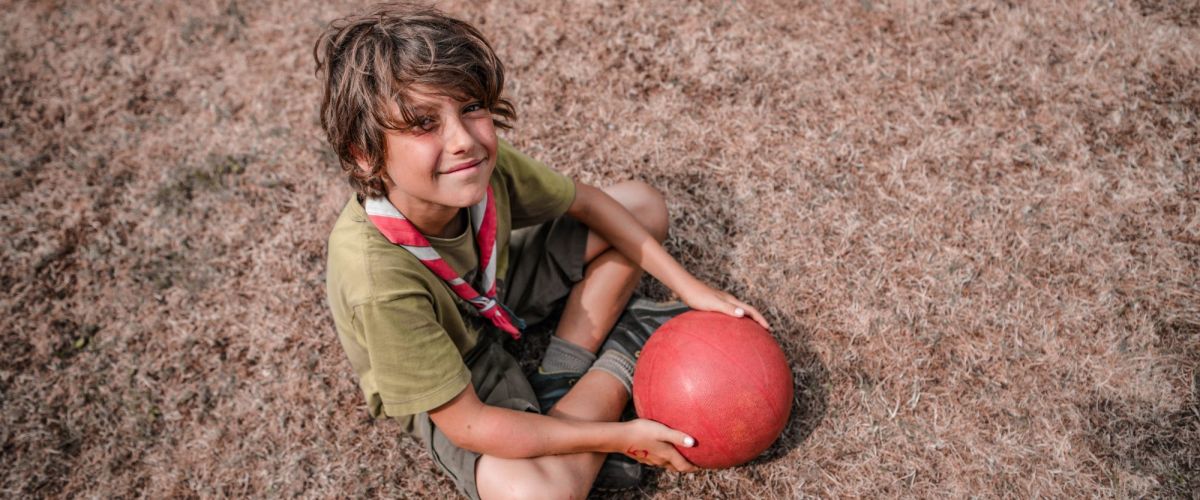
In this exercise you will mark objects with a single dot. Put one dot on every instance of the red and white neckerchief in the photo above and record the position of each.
(397, 229)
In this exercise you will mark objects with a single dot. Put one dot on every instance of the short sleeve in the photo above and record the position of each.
(414, 364)
(536, 193)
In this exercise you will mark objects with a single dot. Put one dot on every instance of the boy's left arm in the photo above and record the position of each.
(611, 221)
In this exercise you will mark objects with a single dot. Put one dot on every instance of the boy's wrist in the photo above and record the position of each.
(609, 437)
(682, 283)
(579, 436)
(617, 434)
(603, 437)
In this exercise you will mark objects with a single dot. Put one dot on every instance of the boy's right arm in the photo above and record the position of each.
(505, 433)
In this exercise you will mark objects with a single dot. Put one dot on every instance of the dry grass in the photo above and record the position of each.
(977, 225)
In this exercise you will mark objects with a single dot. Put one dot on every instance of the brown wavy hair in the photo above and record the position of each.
(368, 61)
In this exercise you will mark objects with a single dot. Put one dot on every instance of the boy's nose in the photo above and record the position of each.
(458, 139)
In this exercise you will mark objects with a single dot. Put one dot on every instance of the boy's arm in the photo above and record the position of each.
(609, 219)
(505, 433)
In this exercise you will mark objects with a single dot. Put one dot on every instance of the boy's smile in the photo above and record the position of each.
(465, 167)
(442, 163)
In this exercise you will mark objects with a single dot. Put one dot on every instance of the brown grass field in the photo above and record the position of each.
(975, 226)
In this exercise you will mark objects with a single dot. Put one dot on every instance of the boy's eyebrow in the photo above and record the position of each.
(422, 101)
(403, 111)
(417, 103)
(421, 107)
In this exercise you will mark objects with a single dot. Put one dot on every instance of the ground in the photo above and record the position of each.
(975, 225)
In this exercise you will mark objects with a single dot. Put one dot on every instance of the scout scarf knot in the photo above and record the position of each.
(400, 231)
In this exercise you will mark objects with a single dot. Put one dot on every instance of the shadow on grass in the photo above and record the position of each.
(1142, 438)
(810, 403)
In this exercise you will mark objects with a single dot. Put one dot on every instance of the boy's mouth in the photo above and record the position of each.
(465, 166)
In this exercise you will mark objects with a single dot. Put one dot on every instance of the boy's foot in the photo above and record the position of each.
(551, 387)
(619, 473)
(640, 319)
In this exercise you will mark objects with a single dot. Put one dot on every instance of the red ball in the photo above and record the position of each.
(722, 380)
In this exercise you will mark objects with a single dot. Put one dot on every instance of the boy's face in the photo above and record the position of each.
(445, 160)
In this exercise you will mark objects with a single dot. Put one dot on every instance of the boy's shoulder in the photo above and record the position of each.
(535, 192)
(509, 157)
(362, 264)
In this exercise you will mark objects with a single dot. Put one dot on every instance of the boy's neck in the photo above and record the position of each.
(435, 221)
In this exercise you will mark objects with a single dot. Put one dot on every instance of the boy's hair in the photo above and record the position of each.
(369, 61)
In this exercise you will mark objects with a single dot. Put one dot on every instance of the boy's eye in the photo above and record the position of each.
(425, 123)
(473, 107)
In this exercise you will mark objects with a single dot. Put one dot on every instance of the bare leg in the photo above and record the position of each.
(592, 309)
(597, 396)
(596, 301)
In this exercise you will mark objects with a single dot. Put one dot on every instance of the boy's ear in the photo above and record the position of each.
(364, 165)
(360, 159)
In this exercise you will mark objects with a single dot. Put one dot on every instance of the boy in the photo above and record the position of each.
(425, 267)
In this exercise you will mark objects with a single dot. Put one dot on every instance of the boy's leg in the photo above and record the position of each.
(596, 302)
(498, 378)
(597, 396)
(592, 309)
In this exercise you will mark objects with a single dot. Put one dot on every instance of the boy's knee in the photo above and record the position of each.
(549, 488)
(647, 204)
(528, 480)
(658, 219)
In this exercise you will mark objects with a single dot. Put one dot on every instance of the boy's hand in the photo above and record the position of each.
(613, 222)
(702, 297)
(652, 443)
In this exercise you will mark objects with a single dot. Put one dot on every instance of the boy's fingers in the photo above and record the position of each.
(732, 308)
(675, 460)
(746, 309)
(759, 318)
(680, 464)
(682, 439)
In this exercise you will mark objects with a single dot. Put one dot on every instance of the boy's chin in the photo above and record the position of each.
(468, 193)
(472, 199)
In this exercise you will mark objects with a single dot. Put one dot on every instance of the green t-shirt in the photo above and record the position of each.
(401, 325)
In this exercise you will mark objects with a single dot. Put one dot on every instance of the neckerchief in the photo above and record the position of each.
(398, 230)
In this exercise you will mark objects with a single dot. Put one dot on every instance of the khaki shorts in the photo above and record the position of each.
(545, 261)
